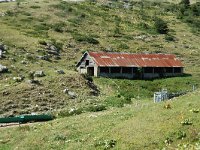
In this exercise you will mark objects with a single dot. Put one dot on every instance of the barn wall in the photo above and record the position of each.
(82, 68)
(150, 75)
(117, 75)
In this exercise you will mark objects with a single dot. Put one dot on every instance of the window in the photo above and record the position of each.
(135, 70)
(169, 70)
(104, 70)
(115, 69)
(177, 70)
(127, 70)
(158, 70)
(148, 70)
(87, 63)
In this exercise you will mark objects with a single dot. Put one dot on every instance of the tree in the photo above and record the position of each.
(186, 3)
(161, 26)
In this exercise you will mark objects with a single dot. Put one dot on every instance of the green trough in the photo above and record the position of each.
(26, 118)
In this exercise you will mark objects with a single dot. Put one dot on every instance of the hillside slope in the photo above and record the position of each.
(142, 125)
(50, 36)
(40, 44)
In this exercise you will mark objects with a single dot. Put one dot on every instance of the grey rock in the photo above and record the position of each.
(71, 94)
(60, 72)
(53, 52)
(3, 49)
(3, 69)
(18, 79)
(33, 81)
(53, 48)
(45, 57)
(1, 53)
(39, 73)
(24, 62)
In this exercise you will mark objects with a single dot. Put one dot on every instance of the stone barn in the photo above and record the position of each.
(129, 65)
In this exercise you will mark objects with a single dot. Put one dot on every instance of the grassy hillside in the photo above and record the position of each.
(30, 28)
(51, 36)
(141, 125)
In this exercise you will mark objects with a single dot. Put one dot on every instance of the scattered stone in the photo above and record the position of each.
(24, 62)
(71, 94)
(18, 79)
(5, 93)
(94, 89)
(33, 81)
(60, 72)
(143, 37)
(3, 69)
(3, 49)
(51, 49)
(45, 57)
(39, 73)
(70, 45)
(1, 1)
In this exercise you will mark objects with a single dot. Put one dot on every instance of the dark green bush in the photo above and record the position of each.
(42, 42)
(161, 26)
(60, 138)
(143, 25)
(71, 112)
(58, 27)
(63, 6)
(180, 134)
(10, 13)
(87, 77)
(117, 101)
(169, 38)
(35, 7)
(96, 108)
(123, 46)
(85, 38)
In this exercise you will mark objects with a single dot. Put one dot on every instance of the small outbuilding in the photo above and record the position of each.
(129, 65)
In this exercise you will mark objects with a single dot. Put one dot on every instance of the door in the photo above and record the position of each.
(90, 71)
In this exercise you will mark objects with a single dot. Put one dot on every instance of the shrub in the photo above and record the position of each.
(169, 38)
(123, 46)
(60, 138)
(161, 26)
(87, 77)
(42, 42)
(143, 25)
(117, 101)
(96, 108)
(59, 27)
(85, 38)
(186, 3)
(10, 13)
(63, 6)
(70, 112)
(58, 45)
(105, 144)
(35, 7)
(186, 122)
(181, 134)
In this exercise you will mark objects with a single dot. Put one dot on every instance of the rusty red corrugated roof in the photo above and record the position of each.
(135, 60)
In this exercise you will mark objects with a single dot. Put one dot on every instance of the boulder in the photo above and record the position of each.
(3, 69)
(71, 94)
(1, 53)
(39, 73)
(18, 79)
(51, 49)
(2, 49)
(45, 57)
(60, 72)
(32, 81)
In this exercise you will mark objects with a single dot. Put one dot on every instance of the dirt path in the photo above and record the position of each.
(12, 125)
